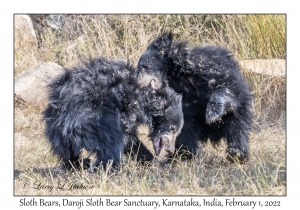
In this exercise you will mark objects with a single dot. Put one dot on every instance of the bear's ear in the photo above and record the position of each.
(179, 54)
(162, 43)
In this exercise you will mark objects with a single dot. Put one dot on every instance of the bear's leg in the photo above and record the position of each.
(71, 162)
(237, 152)
(62, 148)
(188, 140)
(237, 141)
(107, 156)
(222, 107)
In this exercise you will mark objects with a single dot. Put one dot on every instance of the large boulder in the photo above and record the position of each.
(25, 37)
(31, 85)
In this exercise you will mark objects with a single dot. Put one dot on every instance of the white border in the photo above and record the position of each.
(153, 6)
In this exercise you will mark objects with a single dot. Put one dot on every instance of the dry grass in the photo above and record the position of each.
(126, 37)
(208, 174)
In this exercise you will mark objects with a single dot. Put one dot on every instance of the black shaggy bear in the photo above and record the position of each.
(216, 98)
(98, 107)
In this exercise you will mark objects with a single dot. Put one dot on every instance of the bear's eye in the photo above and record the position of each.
(173, 128)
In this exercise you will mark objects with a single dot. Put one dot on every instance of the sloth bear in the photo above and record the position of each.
(216, 98)
(98, 107)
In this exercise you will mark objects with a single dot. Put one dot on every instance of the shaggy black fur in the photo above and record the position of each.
(216, 98)
(99, 106)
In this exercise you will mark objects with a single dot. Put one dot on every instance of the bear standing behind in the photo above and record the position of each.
(217, 103)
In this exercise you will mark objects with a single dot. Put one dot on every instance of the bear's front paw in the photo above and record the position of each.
(234, 154)
(214, 112)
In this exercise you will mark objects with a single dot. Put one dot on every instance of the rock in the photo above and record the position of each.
(272, 67)
(37, 19)
(31, 85)
(25, 37)
(55, 22)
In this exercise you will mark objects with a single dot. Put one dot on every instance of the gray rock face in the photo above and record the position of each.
(55, 22)
(31, 86)
(24, 33)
